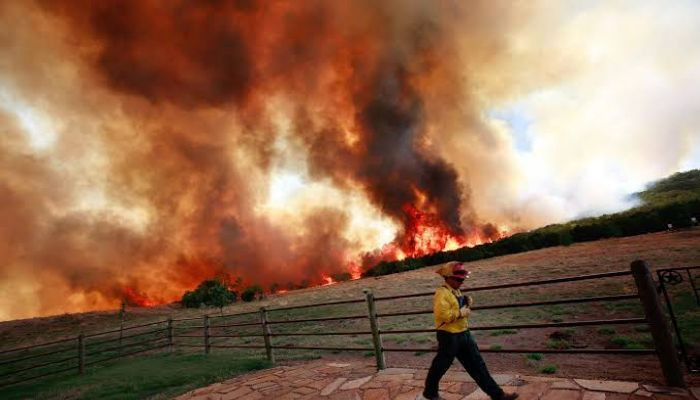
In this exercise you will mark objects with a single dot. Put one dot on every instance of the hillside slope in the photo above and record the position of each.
(659, 249)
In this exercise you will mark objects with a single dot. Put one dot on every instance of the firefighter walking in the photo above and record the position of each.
(451, 310)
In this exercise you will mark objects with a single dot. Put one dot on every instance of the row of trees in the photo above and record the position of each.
(674, 200)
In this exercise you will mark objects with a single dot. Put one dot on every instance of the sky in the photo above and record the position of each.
(145, 146)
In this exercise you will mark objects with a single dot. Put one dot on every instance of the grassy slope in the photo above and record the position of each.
(157, 376)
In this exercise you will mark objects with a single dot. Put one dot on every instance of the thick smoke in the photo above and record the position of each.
(170, 139)
(147, 145)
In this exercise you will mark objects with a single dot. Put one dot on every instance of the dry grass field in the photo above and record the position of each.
(669, 249)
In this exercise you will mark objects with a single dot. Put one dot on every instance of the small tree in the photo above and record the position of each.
(251, 292)
(211, 292)
(219, 296)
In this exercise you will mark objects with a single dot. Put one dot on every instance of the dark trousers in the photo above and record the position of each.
(463, 346)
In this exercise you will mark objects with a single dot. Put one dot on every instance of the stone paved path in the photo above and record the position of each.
(360, 381)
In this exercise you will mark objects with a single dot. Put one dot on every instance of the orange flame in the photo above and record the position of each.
(426, 233)
(134, 298)
(355, 271)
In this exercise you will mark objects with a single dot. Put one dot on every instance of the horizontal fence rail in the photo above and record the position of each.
(177, 334)
(37, 345)
(78, 346)
(530, 304)
(292, 321)
(513, 285)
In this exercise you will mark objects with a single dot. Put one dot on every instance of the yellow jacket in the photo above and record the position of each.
(446, 310)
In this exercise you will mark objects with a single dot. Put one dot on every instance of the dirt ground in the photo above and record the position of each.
(659, 250)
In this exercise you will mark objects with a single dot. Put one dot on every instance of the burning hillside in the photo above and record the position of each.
(148, 145)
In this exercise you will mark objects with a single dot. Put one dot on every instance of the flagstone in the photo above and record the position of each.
(661, 396)
(359, 381)
(458, 377)
(478, 394)
(394, 371)
(394, 377)
(305, 390)
(346, 395)
(420, 375)
(410, 395)
(467, 388)
(319, 384)
(355, 383)
(263, 385)
(226, 388)
(376, 394)
(561, 394)
(373, 384)
(608, 386)
(338, 365)
(532, 390)
(593, 396)
(252, 396)
(665, 390)
(565, 384)
(300, 382)
(406, 388)
(503, 379)
(288, 396)
(243, 390)
(331, 387)
(453, 387)
(394, 388)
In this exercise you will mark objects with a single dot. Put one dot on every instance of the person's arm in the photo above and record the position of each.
(445, 310)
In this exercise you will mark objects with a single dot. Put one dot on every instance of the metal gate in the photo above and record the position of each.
(681, 290)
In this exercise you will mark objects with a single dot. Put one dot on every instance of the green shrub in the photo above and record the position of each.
(211, 292)
(635, 346)
(496, 346)
(621, 340)
(534, 356)
(606, 331)
(251, 292)
(549, 369)
(627, 343)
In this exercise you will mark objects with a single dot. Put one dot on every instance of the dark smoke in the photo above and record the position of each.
(181, 96)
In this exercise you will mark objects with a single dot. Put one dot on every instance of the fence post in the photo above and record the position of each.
(376, 337)
(207, 345)
(658, 324)
(121, 335)
(266, 335)
(81, 353)
(170, 334)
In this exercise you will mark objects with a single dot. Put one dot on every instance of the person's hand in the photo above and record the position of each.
(464, 312)
(470, 301)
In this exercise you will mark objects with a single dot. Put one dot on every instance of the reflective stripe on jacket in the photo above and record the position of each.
(446, 310)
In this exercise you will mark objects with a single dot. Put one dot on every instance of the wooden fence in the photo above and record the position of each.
(75, 354)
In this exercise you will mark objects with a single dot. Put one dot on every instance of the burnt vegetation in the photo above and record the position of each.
(670, 203)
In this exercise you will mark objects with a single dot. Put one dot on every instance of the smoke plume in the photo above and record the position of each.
(148, 145)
